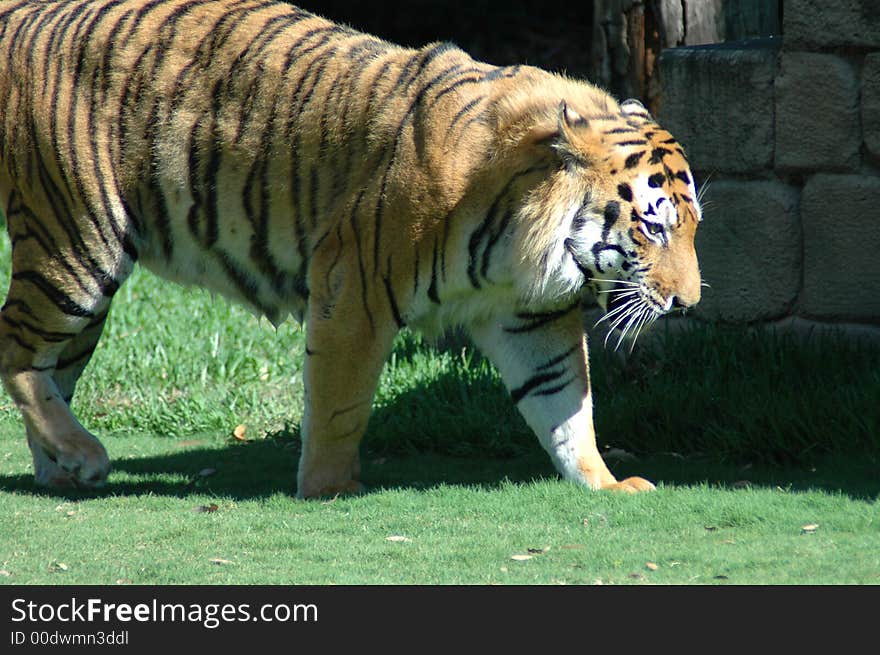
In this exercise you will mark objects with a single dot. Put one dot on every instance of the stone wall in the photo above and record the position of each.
(627, 36)
(784, 135)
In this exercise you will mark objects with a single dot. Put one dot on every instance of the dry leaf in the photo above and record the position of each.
(809, 528)
(538, 551)
(58, 566)
(123, 581)
(204, 473)
(652, 566)
(219, 561)
(397, 537)
(206, 508)
(521, 558)
(239, 432)
(710, 528)
(5, 573)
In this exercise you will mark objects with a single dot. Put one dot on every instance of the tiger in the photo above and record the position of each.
(308, 170)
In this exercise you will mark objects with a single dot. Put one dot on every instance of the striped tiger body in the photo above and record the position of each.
(304, 168)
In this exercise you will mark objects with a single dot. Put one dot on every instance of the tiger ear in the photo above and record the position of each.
(636, 109)
(568, 121)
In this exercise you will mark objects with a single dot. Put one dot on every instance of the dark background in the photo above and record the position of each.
(553, 36)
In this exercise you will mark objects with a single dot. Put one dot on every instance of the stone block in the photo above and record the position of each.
(718, 102)
(841, 248)
(871, 104)
(816, 24)
(749, 248)
(817, 114)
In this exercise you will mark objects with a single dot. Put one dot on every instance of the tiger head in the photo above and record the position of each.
(617, 216)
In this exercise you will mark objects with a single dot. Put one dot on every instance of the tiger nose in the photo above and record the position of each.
(678, 302)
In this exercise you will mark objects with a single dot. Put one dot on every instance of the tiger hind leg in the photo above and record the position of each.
(40, 380)
(71, 363)
(49, 326)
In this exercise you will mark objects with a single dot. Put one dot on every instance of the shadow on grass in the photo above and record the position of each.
(267, 467)
(458, 426)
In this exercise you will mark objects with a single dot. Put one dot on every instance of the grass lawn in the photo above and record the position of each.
(766, 448)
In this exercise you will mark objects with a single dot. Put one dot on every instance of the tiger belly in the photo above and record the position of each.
(233, 264)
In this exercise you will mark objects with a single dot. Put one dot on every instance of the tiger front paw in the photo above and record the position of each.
(631, 485)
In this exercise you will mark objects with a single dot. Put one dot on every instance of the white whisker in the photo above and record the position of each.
(624, 331)
(631, 308)
(622, 308)
(624, 282)
(625, 317)
(627, 292)
(647, 313)
(706, 184)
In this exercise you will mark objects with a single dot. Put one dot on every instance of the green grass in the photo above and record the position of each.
(753, 436)
(461, 521)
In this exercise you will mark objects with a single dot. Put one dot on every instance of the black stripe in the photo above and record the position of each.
(160, 209)
(464, 110)
(239, 276)
(432, 288)
(395, 310)
(26, 346)
(49, 245)
(485, 228)
(416, 271)
(549, 391)
(657, 155)
(633, 160)
(533, 383)
(46, 335)
(61, 300)
(67, 362)
(360, 258)
(419, 62)
(550, 363)
(535, 321)
(612, 214)
(656, 180)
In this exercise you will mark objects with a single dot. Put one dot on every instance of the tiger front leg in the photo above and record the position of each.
(542, 358)
(349, 335)
(341, 372)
